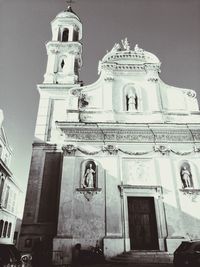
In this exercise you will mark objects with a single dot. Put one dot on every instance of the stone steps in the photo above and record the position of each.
(155, 257)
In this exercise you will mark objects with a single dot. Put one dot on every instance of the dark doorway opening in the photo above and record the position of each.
(142, 223)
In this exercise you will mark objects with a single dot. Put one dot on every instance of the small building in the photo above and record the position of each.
(116, 161)
(9, 191)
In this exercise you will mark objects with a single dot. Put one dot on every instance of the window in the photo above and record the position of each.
(28, 243)
(1, 227)
(7, 196)
(75, 36)
(1, 186)
(5, 229)
(65, 35)
(9, 229)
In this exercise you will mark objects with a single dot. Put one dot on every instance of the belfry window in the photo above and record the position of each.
(75, 36)
(9, 230)
(5, 229)
(1, 227)
(65, 35)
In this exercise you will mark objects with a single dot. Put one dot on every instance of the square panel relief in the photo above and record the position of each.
(138, 172)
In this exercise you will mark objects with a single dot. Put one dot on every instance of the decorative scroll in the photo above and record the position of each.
(87, 152)
(134, 153)
(191, 193)
(70, 149)
(181, 153)
(196, 149)
(166, 149)
(88, 193)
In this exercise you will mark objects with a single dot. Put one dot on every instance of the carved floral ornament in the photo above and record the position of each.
(192, 193)
(112, 149)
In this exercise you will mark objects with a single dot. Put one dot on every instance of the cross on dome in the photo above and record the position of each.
(69, 2)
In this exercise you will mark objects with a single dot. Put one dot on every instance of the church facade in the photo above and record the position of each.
(115, 162)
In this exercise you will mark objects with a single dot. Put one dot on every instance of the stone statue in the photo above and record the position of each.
(138, 49)
(89, 177)
(186, 177)
(116, 47)
(125, 44)
(131, 99)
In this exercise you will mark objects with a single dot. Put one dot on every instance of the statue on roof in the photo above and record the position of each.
(126, 44)
(116, 47)
(138, 49)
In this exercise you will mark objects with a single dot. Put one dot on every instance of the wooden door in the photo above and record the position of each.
(142, 223)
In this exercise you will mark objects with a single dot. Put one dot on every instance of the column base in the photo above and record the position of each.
(173, 243)
(115, 245)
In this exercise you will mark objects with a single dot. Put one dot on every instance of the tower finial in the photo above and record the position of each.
(69, 8)
(69, 2)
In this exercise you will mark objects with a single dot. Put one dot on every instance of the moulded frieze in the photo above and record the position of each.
(196, 134)
(125, 67)
(47, 146)
(173, 135)
(56, 47)
(130, 135)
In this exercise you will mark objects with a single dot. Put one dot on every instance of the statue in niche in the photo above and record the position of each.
(131, 101)
(89, 179)
(186, 177)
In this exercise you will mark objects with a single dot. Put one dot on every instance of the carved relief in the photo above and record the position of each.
(191, 193)
(162, 149)
(69, 150)
(111, 149)
(138, 171)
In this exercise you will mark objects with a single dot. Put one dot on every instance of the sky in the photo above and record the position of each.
(167, 28)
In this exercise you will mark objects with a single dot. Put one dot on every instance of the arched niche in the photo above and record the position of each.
(131, 98)
(89, 174)
(187, 174)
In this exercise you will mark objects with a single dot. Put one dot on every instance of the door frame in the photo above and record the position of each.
(145, 191)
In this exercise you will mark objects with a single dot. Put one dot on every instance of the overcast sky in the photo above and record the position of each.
(167, 28)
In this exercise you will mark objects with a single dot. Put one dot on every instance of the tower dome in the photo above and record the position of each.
(68, 13)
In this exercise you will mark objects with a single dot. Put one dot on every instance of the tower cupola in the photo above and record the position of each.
(64, 51)
(66, 27)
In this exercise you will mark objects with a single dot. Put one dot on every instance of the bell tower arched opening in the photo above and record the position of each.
(65, 35)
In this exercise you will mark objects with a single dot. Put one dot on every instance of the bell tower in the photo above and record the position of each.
(64, 61)
(64, 51)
